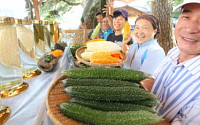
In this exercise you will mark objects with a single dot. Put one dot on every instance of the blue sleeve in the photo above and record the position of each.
(152, 61)
(189, 114)
(107, 33)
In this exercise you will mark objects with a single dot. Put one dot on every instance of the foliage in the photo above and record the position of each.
(53, 9)
(176, 3)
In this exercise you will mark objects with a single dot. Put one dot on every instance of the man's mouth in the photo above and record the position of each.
(190, 40)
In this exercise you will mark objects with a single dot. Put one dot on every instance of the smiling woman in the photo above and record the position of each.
(145, 54)
(13, 8)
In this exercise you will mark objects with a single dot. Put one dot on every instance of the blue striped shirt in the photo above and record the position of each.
(177, 87)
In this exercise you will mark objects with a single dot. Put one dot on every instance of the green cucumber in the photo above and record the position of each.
(106, 73)
(98, 82)
(111, 106)
(96, 117)
(121, 94)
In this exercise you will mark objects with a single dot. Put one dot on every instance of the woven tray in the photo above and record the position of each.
(82, 49)
(55, 97)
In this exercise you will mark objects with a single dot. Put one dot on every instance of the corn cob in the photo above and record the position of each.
(96, 31)
(126, 30)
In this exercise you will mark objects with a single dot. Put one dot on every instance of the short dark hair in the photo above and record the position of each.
(98, 13)
(153, 20)
(118, 14)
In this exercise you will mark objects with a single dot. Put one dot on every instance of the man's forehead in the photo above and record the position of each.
(190, 7)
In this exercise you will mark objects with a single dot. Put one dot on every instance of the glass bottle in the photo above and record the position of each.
(39, 38)
(47, 36)
(27, 51)
(10, 64)
(51, 29)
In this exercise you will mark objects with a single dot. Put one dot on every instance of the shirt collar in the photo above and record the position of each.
(193, 65)
(149, 42)
(110, 29)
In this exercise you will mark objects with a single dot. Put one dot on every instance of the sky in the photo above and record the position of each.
(16, 9)
(12, 8)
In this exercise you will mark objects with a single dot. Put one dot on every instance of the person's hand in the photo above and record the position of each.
(162, 123)
(127, 40)
(83, 25)
(125, 48)
(106, 10)
(147, 84)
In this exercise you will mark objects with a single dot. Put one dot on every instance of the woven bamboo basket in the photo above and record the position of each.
(55, 97)
(82, 49)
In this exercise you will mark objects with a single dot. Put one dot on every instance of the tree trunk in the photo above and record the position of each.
(162, 9)
(91, 14)
(36, 7)
(29, 8)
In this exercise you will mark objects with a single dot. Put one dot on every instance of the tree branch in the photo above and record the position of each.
(40, 2)
(72, 4)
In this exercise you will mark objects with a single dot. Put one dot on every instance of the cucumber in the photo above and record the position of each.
(97, 82)
(96, 117)
(106, 73)
(111, 106)
(148, 102)
(121, 94)
(103, 2)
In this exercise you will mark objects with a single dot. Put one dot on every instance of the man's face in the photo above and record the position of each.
(187, 30)
(106, 24)
(99, 18)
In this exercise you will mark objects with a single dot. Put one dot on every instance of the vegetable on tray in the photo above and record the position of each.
(108, 96)
(97, 117)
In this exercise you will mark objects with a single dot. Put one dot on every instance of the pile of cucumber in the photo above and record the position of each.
(108, 96)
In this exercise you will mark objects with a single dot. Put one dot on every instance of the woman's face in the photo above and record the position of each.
(143, 31)
(118, 23)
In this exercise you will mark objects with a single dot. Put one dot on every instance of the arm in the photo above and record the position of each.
(147, 84)
(125, 47)
(83, 25)
(110, 20)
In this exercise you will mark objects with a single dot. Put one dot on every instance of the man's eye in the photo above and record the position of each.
(186, 17)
